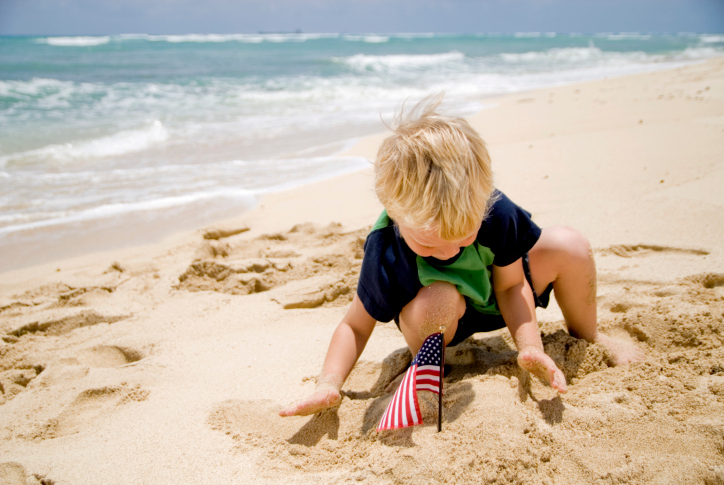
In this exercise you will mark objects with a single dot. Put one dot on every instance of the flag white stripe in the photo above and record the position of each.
(411, 397)
(403, 399)
(429, 368)
(396, 401)
(428, 387)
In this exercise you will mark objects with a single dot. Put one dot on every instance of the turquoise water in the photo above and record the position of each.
(139, 125)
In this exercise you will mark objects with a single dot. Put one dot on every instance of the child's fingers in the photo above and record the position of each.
(319, 401)
(542, 366)
(558, 381)
(303, 408)
(555, 376)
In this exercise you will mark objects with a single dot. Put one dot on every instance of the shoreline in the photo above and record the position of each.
(364, 147)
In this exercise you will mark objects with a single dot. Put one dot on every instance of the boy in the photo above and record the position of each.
(451, 251)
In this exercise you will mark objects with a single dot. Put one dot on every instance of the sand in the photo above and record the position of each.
(168, 363)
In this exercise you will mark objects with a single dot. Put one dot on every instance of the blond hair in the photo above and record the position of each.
(434, 172)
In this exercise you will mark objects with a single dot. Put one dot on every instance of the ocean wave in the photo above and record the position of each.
(363, 62)
(567, 54)
(83, 41)
(369, 38)
(626, 36)
(126, 141)
(217, 38)
(418, 35)
(533, 35)
(712, 39)
(113, 210)
(697, 53)
(120, 191)
(572, 56)
(36, 88)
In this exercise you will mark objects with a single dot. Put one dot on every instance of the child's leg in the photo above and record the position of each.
(435, 306)
(563, 256)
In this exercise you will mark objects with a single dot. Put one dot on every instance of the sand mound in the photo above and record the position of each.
(327, 260)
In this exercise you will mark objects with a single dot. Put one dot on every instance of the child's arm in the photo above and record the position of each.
(515, 299)
(348, 342)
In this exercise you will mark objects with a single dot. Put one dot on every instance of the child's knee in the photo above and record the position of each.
(567, 244)
(435, 306)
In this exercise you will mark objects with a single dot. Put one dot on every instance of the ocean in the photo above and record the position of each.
(161, 133)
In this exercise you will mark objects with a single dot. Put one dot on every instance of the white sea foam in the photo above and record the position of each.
(376, 39)
(38, 97)
(126, 141)
(216, 38)
(420, 35)
(112, 210)
(627, 36)
(593, 56)
(712, 39)
(369, 38)
(569, 54)
(533, 35)
(697, 53)
(201, 182)
(33, 87)
(84, 41)
(364, 62)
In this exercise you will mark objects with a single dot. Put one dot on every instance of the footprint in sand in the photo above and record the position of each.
(15, 380)
(708, 280)
(640, 250)
(12, 473)
(88, 406)
(22, 361)
(58, 295)
(66, 324)
(254, 422)
(621, 306)
(108, 356)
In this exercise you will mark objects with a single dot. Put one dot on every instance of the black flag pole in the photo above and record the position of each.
(442, 370)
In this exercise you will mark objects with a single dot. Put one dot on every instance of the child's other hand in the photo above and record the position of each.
(538, 363)
(324, 397)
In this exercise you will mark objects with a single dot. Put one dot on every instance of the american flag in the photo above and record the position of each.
(423, 375)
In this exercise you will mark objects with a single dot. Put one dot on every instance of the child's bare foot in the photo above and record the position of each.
(622, 352)
(323, 398)
(542, 366)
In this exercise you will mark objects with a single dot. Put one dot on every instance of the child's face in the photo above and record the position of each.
(427, 243)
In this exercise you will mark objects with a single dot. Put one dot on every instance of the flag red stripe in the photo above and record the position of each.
(403, 410)
(399, 398)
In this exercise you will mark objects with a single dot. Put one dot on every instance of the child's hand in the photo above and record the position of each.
(538, 363)
(325, 397)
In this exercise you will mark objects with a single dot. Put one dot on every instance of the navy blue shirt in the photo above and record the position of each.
(392, 273)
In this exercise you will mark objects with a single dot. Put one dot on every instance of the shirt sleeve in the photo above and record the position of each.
(388, 278)
(510, 231)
